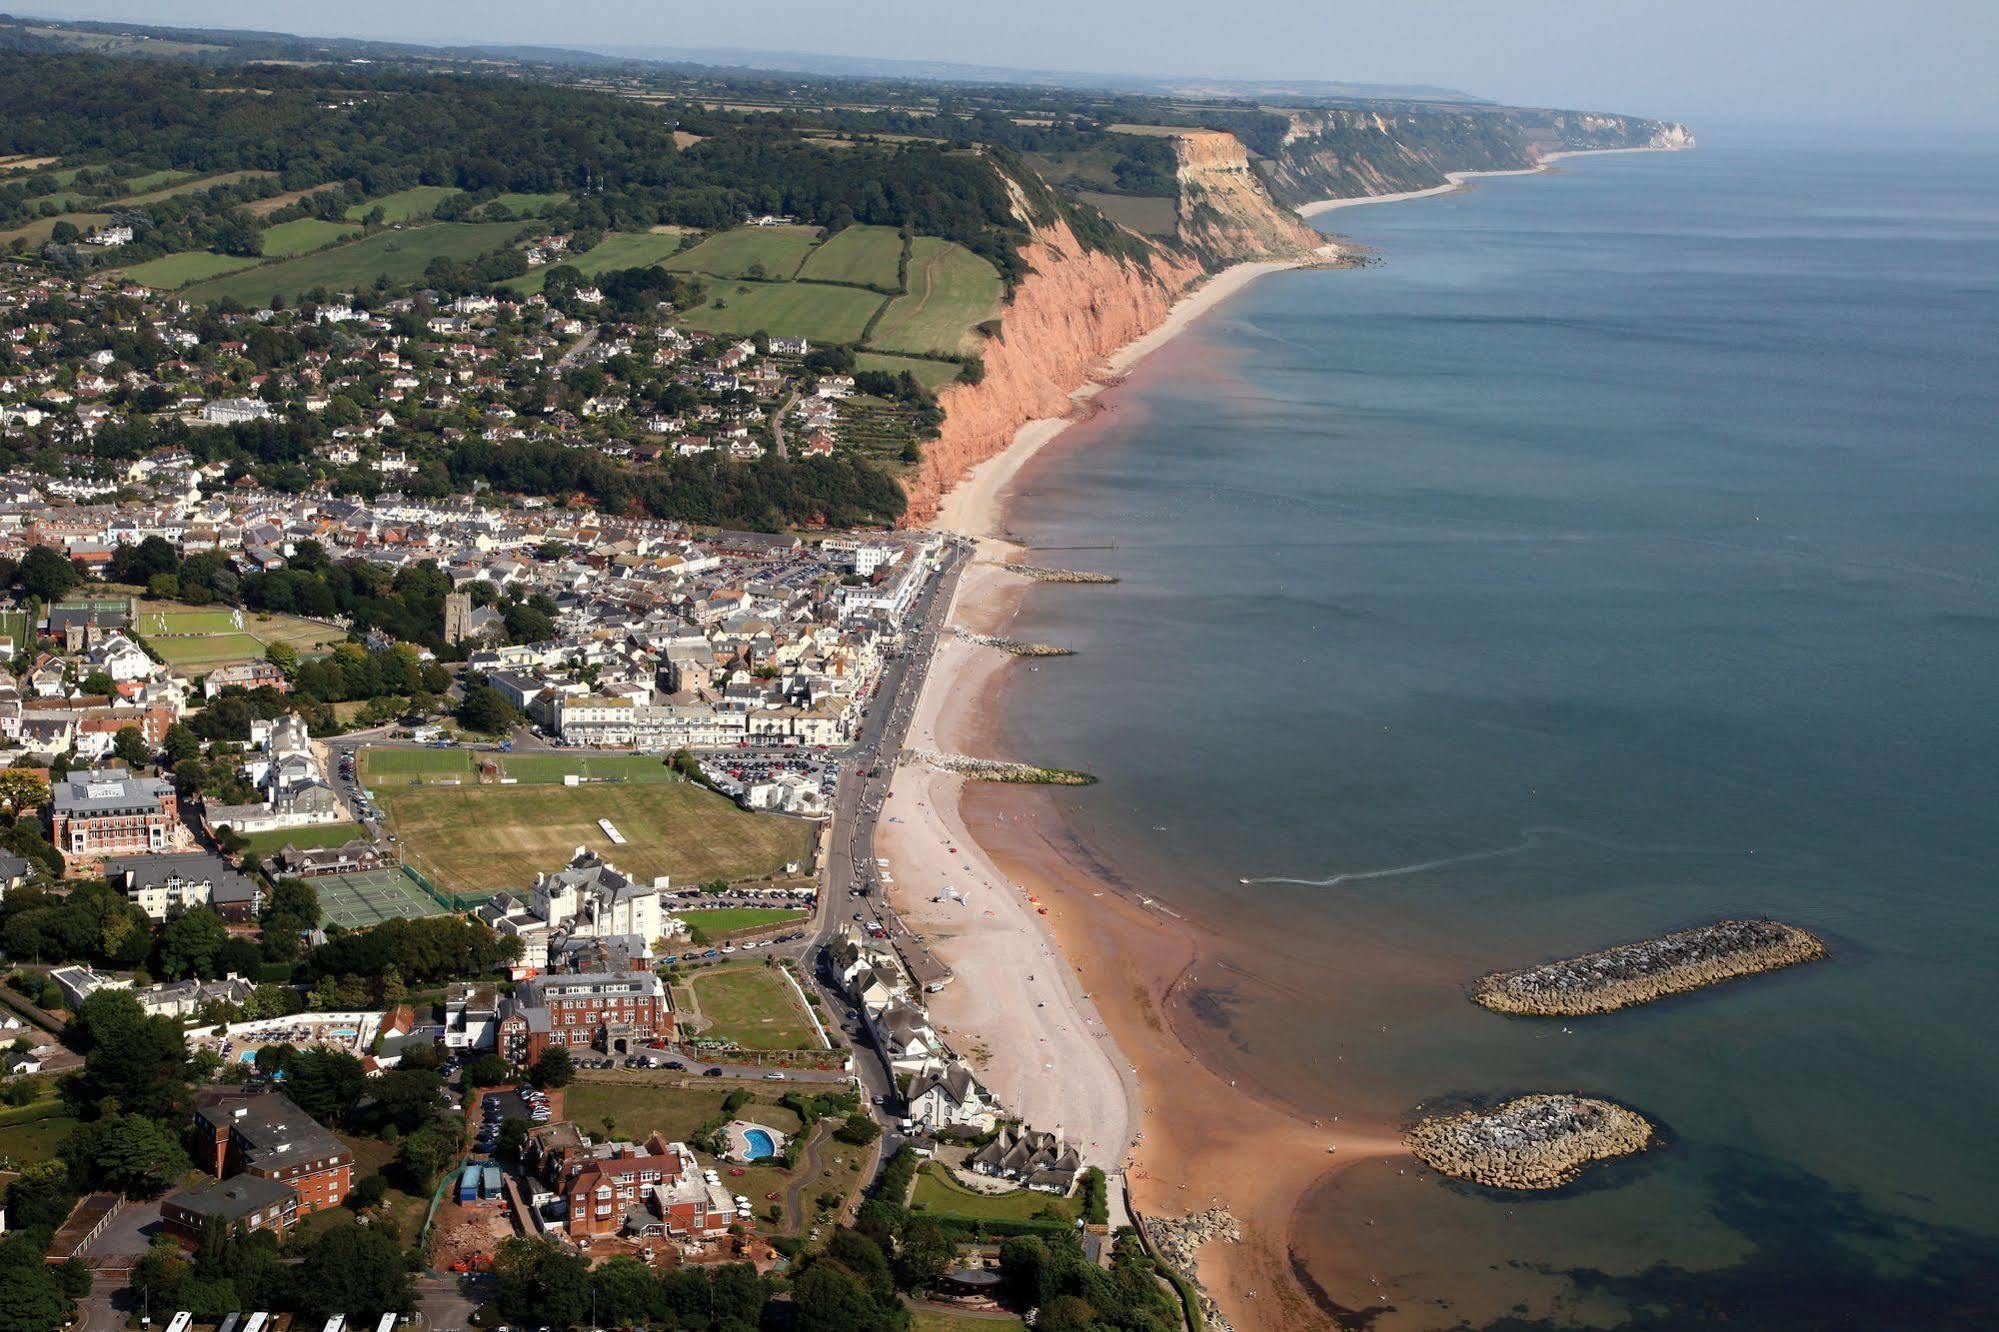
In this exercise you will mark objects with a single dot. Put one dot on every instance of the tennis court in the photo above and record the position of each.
(356, 901)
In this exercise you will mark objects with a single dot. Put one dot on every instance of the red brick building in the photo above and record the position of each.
(654, 1189)
(265, 1135)
(109, 812)
(613, 1011)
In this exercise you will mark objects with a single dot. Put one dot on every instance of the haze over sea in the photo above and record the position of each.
(1621, 553)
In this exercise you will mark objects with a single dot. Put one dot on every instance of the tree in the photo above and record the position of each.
(190, 943)
(857, 1130)
(488, 1070)
(46, 575)
(926, 1253)
(283, 656)
(541, 1285)
(31, 1299)
(355, 1271)
(554, 1069)
(131, 1154)
(131, 1062)
(486, 709)
(22, 790)
(130, 746)
(1025, 1271)
(829, 1298)
(425, 1153)
(181, 743)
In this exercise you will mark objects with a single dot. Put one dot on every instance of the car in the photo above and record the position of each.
(711, 1072)
(775, 1076)
(675, 1063)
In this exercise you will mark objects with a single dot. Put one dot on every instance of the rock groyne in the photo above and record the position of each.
(1638, 973)
(998, 770)
(1531, 1143)
(1041, 575)
(1013, 645)
(1178, 1240)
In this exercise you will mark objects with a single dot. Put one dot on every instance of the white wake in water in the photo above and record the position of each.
(1530, 839)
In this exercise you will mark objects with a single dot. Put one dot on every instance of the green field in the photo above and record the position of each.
(936, 1191)
(1149, 214)
(189, 637)
(37, 232)
(732, 254)
(17, 626)
(721, 922)
(402, 255)
(950, 291)
(950, 1320)
(155, 194)
(33, 1133)
(751, 1005)
(871, 256)
(177, 270)
(470, 839)
(639, 1108)
(301, 236)
(527, 205)
(620, 249)
(154, 180)
(305, 839)
(799, 309)
(531, 769)
(933, 375)
(403, 204)
(400, 765)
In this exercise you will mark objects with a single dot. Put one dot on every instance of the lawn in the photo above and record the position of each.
(305, 839)
(371, 1157)
(946, 1320)
(37, 232)
(797, 309)
(753, 1006)
(721, 922)
(471, 839)
(532, 769)
(403, 204)
(402, 255)
(871, 256)
(208, 650)
(177, 270)
(189, 637)
(936, 1191)
(732, 254)
(397, 765)
(950, 291)
(302, 236)
(32, 1133)
(933, 375)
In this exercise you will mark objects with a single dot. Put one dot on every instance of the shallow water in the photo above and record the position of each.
(1618, 554)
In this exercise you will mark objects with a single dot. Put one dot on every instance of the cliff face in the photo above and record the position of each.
(1073, 309)
(1351, 152)
(1226, 213)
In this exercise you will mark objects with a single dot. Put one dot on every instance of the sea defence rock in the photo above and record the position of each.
(1041, 575)
(1178, 1240)
(1638, 973)
(1013, 645)
(1531, 1143)
(998, 770)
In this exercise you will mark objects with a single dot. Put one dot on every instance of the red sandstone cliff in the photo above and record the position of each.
(1072, 311)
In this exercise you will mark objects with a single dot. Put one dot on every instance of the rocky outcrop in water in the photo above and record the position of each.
(1040, 575)
(1015, 646)
(1638, 973)
(1530, 1143)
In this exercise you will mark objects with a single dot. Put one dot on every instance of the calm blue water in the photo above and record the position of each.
(1620, 553)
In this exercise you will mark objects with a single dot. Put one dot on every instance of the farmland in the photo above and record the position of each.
(871, 256)
(1153, 215)
(933, 375)
(301, 236)
(526, 205)
(950, 290)
(480, 838)
(620, 249)
(800, 309)
(402, 255)
(170, 271)
(403, 204)
(776, 252)
(37, 232)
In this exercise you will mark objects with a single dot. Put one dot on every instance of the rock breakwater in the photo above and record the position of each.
(998, 770)
(1638, 973)
(1178, 1240)
(1531, 1143)
(1013, 645)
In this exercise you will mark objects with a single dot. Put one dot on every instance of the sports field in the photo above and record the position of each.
(779, 250)
(357, 901)
(753, 1006)
(192, 637)
(403, 204)
(170, 271)
(303, 235)
(402, 255)
(799, 309)
(481, 838)
(397, 766)
(620, 249)
(868, 255)
(932, 375)
(402, 766)
(950, 291)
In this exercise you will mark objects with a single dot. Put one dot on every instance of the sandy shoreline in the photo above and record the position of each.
(1070, 979)
(1456, 180)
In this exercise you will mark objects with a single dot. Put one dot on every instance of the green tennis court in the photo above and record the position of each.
(356, 901)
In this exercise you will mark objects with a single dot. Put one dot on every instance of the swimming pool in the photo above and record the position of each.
(757, 1144)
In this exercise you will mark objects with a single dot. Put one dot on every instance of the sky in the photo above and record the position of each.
(1898, 63)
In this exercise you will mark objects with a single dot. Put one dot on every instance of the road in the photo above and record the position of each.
(782, 449)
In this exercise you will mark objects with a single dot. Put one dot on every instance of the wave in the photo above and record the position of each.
(1530, 839)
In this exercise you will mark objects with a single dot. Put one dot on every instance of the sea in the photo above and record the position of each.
(1617, 552)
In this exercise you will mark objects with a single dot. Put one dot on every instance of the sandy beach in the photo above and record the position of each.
(1456, 181)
